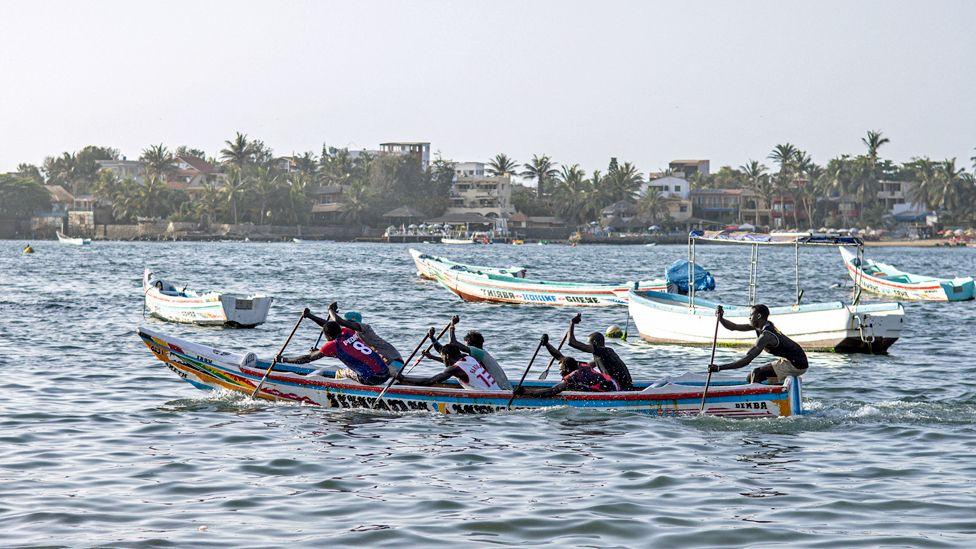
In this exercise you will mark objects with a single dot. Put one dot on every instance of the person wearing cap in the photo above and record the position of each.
(354, 321)
(792, 360)
(605, 359)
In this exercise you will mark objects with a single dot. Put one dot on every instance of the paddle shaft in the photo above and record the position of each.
(545, 374)
(429, 347)
(525, 373)
(402, 366)
(708, 380)
(275, 361)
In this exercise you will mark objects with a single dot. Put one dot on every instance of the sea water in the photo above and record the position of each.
(100, 444)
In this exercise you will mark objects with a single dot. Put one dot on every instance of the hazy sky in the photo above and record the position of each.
(644, 81)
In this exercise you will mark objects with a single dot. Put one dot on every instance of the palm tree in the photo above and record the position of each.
(307, 164)
(234, 191)
(925, 191)
(541, 169)
(784, 155)
(237, 152)
(757, 180)
(265, 187)
(950, 180)
(803, 193)
(873, 142)
(502, 165)
(622, 181)
(159, 161)
(652, 206)
(571, 195)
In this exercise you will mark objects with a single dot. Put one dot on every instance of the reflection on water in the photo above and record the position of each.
(102, 445)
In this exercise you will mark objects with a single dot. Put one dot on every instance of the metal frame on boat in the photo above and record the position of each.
(470, 284)
(831, 326)
(209, 368)
(883, 279)
(209, 309)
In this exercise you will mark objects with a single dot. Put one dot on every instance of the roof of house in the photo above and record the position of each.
(689, 161)
(519, 217)
(620, 207)
(328, 189)
(462, 218)
(198, 163)
(59, 193)
(405, 212)
(331, 207)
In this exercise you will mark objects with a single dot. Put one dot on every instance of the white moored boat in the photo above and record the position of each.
(883, 279)
(833, 326)
(457, 241)
(72, 241)
(426, 263)
(166, 301)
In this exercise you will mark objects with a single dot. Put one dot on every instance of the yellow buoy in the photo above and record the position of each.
(28, 249)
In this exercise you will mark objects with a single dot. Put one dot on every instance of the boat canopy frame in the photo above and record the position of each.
(755, 240)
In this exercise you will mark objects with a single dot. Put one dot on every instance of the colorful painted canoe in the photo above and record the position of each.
(426, 263)
(830, 326)
(881, 278)
(209, 368)
(166, 301)
(72, 241)
(500, 288)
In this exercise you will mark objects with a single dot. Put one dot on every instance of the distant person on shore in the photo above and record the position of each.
(576, 376)
(474, 345)
(354, 321)
(792, 359)
(605, 359)
(470, 373)
(362, 363)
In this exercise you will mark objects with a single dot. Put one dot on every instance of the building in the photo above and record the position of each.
(192, 174)
(675, 191)
(125, 169)
(688, 168)
(487, 196)
(469, 169)
(721, 206)
(416, 149)
(895, 196)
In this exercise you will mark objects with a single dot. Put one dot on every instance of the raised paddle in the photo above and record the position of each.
(278, 356)
(545, 374)
(708, 380)
(402, 366)
(525, 373)
(429, 347)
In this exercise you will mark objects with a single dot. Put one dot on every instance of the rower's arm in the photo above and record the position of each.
(758, 348)
(431, 356)
(440, 377)
(436, 344)
(318, 320)
(729, 325)
(545, 393)
(334, 316)
(303, 359)
(575, 343)
(553, 352)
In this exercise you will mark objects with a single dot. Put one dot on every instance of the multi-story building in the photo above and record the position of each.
(688, 168)
(487, 196)
(469, 169)
(675, 191)
(896, 196)
(125, 169)
(192, 174)
(418, 149)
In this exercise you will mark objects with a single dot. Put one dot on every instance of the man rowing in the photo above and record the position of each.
(354, 321)
(361, 362)
(576, 376)
(474, 345)
(605, 359)
(792, 359)
(470, 373)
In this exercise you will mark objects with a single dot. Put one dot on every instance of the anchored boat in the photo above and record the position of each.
(164, 300)
(72, 241)
(473, 285)
(881, 278)
(208, 368)
(425, 266)
(830, 326)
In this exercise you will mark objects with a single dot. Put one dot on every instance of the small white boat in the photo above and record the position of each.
(73, 241)
(457, 241)
(883, 279)
(426, 264)
(166, 301)
(297, 240)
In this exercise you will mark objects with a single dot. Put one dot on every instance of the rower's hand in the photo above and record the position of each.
(306, 313)
(455, 319)
(712, 368)
(430, 332)
(544, 339)
(719, 311)
(577, 319)
(334, 306)
(280, 359)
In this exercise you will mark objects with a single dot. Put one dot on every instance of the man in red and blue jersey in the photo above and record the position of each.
(576, 376)
(362, 363)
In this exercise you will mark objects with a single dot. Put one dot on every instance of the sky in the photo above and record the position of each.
(644, 81)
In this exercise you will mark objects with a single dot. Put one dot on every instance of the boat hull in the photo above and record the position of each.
(208, 368)
(210, 309)
(930, 289)
(427, 263)
(73, 241)
(668, 318)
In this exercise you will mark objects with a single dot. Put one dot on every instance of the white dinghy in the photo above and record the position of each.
(72, 241)
(166, 301)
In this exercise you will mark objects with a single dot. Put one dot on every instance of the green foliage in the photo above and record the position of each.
(527, 201)
(21, 196)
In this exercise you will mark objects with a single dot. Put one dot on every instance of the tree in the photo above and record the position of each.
(159, 161)
(807, 169)
(925, 191)
(572, 195)
(950, 191)
(238, 152)
(784, 155)
(542, 170)
(234, 191)
(873, 141)
(502, 165)
(21, 197)
(758, 181)
(183, 150)
(621, 182)
(31, 172)
(652, 206)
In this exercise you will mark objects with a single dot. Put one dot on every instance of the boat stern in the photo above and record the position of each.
(245, 311)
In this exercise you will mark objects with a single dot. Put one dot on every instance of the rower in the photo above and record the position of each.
(474, 345)
(576, 376)
(605, 359)
(465, 368)
(792, 359)
(363, 364)
(354, 321)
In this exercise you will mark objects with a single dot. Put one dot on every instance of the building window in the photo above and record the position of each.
(677, 188)
(683, 208)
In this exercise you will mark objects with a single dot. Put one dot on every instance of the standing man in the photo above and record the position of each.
(354, 321)
(604, 358)
(792, 359)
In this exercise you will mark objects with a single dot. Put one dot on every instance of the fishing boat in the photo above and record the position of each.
(457, 241)
(72, 241)
(426, 263)
(208, 368)
(881, 278)
(828, 326)
(166, 301)
(503, 288)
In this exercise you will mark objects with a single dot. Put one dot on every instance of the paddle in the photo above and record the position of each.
(429, 347)
(278, 356)
(402, 366)
(525, 373)
(708, 381)
(545, 374)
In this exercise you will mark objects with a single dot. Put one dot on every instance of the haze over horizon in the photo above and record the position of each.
(646, 82)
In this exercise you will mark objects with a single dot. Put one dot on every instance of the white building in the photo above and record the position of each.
(676, 192)
(469, 169)
(487, 196)
(124, 169)
(417, 149)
